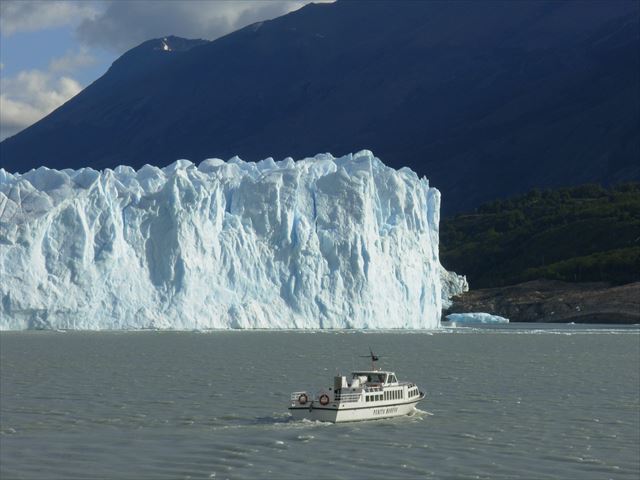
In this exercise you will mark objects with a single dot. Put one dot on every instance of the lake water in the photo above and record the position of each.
(518, 401)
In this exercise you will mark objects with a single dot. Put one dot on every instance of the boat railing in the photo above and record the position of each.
(347, 397)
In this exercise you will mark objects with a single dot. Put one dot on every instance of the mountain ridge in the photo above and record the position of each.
(488, 100)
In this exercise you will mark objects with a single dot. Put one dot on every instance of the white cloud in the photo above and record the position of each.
(123, 25)
(32, 94)
(29, 96)
(32, 15)
(72, 61)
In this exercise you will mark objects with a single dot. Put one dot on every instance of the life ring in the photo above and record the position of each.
(324, 399)
(303, 399)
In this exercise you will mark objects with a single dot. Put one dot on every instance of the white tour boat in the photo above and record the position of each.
(368, 395)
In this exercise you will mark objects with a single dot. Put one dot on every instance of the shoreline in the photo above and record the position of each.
(553, 301)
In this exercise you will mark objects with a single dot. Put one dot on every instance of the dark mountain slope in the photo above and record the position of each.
(487, 99)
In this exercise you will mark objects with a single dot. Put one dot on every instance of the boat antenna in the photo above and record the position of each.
(374, 358)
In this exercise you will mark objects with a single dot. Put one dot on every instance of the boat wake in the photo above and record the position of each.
(420, 414)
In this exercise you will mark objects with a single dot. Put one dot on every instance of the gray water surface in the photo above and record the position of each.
(503, 402)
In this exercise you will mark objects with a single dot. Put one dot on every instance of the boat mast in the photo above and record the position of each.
(374, 359)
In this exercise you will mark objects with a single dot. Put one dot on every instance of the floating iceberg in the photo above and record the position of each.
(467, 318)
(323, 242)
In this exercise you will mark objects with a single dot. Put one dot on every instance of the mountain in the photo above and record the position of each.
(488, 99)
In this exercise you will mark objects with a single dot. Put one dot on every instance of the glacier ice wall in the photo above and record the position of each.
(323, 242)
(452, 286)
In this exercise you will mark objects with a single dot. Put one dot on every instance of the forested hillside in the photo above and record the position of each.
(585, 233)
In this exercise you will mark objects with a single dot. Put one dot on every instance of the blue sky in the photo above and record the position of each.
(51, 49)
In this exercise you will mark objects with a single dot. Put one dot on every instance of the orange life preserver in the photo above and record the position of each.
(324, 399)
(302, 399)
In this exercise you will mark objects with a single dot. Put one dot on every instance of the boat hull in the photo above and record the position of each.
(353, 414)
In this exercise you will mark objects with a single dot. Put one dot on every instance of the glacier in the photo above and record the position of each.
(318, 243)
(452, 286)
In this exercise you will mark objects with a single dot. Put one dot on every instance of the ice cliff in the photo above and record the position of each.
(323, 242)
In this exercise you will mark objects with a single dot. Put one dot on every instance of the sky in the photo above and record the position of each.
(51, 49)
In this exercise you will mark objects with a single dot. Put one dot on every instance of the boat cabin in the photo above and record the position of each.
(365, 379)
(375, 377)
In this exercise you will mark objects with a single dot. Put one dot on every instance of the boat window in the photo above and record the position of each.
(370, 377)
(392, 379)
(373, 377)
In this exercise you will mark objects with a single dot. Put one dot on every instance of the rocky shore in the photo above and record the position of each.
(555, 301)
